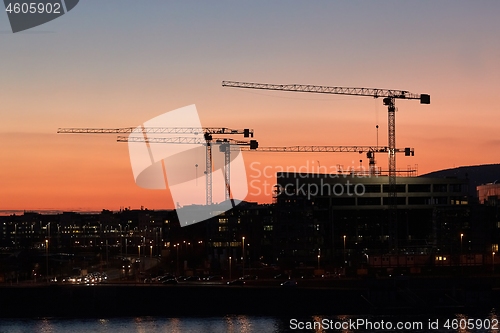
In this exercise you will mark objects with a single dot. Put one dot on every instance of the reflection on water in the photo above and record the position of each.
(44, 326)
(462, 323)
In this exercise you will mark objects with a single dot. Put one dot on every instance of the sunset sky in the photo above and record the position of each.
(119, 63)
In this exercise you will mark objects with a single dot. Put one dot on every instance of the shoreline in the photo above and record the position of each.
(359, 297)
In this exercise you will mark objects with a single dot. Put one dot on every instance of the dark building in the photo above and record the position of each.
(121, 232)
(248, 229)
(488, 215)
(343, 219)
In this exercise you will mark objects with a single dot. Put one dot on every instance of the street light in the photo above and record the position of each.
(344, 248)
(229, 268)
(461, 247)
(243, 249)
(151, 251)
(493, 262)
(47, 258)
(319, 256)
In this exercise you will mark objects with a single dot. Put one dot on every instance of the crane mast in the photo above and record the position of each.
(389, 100)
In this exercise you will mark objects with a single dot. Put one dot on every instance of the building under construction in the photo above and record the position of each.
(343, 220)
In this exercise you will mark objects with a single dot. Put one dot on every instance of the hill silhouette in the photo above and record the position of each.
(477, 175)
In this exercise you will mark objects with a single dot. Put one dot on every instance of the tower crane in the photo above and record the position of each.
(225, 146)
(389, 98)
(208, 133)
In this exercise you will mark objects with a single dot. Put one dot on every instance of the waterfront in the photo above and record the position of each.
(250, 324)
(143, 324)
(349, 297)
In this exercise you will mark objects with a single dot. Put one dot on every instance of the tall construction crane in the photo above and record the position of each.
(225, 146)
(389, 98)
(208, 133)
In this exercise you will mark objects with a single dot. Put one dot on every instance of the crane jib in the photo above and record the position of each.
(370, 92)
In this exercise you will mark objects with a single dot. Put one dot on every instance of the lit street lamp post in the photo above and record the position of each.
(243, 255)
(461, 250)
(344, 250)
(140, 263)
(47, 258)
(493, 262)
(461, 243)
(318, 260)
(229, 268)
